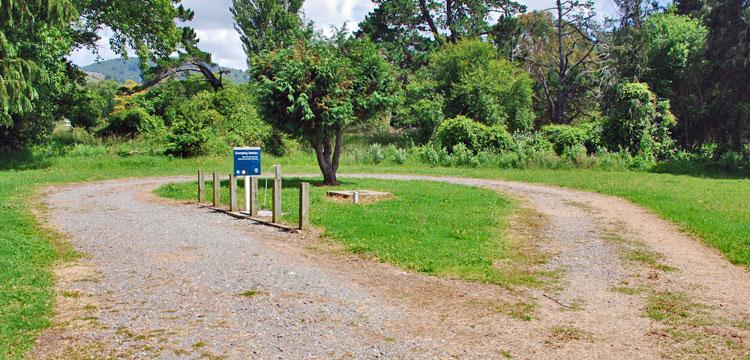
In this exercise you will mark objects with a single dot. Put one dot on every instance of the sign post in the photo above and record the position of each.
(247, 163)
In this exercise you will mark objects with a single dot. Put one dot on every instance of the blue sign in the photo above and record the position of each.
(247, 161)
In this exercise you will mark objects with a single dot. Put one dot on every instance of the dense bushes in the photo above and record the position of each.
(215, 122)
(467, 79)
(472, 135)
(131, 122)
(567, 136)
(638, 123)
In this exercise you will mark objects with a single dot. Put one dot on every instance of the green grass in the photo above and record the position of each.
(716, 210)
(435, 228)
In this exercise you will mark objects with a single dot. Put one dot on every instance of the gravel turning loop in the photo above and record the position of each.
(163, 280)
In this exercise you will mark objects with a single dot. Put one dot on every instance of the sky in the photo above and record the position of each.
(214, 26)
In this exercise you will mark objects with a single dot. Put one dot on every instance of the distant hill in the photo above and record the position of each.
(121, 70)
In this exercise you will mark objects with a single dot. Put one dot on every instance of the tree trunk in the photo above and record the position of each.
(328, 161)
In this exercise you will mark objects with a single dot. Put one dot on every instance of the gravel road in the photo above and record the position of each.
(165, 280)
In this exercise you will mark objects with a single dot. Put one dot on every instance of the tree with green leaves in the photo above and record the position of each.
(639, 123)
(317, 88)
(146, 26)
(38, 84)
(266, 25)
(33, 41)
(673, 48)
(409, 29)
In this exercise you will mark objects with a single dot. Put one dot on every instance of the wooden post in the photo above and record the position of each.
(277, 194)
(233, 193)
(201, 186)
(304, 205)
(217, 189)
(254, 196)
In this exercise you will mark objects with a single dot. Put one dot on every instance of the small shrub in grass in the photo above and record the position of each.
(574, 152)
(187, 138)
(375, 154)
(72, 136)
(87, 150)
(544, 160)
(434, 155)
(642, 162)
(462, 156)
(606, 160)
(566, 136)
(531, 142)
(395, 154)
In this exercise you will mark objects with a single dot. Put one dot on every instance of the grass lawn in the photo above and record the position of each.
(716, 210)
(420, 229)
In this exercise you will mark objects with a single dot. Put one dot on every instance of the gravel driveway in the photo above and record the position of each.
(164, 280)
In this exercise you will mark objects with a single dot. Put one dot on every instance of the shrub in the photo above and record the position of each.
(243, 127)
(639, 123)
(375, 154)
(191, 132)
(462, 156)
(565, 136)
(72, 136)
(496, 138)
(574, 152)
(531, 142)
(434, 155)
(422, 111)
(460, 130)
(87, 150)
(395, 154)
(131, 122)
(476, 82)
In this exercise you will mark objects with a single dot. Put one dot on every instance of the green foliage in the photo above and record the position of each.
(149, 26)
(217, 121)
(478, 84)
(727, 79)
(189, 134)
(566, 136)
(639, 123)
(267, 25)
(422, 111)
(38, 86)
(72, 136)
(474, 136)
(674, 44)
(132, 122)
(91, 104)
(460, 130)
(315, 89)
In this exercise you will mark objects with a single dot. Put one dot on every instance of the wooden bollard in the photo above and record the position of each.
(277, 194)
(217, 189)
(251, 195)
(304, 205)
(201, 186)
(233, 193)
